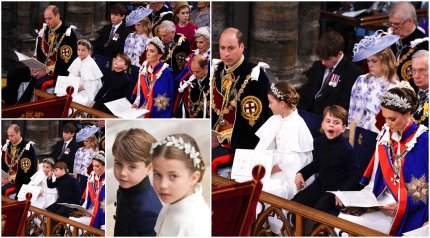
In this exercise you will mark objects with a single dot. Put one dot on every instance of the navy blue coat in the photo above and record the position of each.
(137, 210)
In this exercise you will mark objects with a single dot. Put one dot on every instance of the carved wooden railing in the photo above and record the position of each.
(41, 222)
(79, 109)
(277, 204)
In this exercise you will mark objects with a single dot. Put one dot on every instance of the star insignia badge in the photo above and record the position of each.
(418, 189)
(162, 102)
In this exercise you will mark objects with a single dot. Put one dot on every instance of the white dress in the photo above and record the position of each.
(90, 75)
(48, 195)
(189, 217)
(293, 144)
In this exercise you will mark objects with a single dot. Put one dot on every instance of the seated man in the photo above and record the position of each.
(331, 78)
(18, 160)
(177, 47)
(56, 47)
(193, 100)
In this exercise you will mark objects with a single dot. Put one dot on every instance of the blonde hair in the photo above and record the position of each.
(172, 152)
(147, 26)
(133, 145)
(388, 66)
(93, 142)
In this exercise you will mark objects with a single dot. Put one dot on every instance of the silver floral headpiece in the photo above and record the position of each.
(391, 99)
(180, 144)
(99, 156)
(86, 42)
(157, 42)
(276, 91)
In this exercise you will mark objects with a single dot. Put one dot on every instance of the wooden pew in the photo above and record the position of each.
(57, 107)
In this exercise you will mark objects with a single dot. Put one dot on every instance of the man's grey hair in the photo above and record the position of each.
(405, 10)
(421, 53)
(169, 25)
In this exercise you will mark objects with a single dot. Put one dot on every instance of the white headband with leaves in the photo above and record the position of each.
(276, 91)
(180, 144)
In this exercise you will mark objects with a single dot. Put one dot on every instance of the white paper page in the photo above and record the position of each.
(363, 198)
(30, 62)
(353, 13)
(245, 160)
(34, 190)
(65, 81)
(422, 231)
(4, 174)
(122, 108)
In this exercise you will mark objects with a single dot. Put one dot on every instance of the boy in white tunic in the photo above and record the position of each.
(178, 168)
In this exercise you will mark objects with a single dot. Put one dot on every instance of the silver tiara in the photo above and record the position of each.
(99, 156)
(157, 42)
(391, 99)
(180, 144)
(86, 42)
(276, 91)
(49, 161)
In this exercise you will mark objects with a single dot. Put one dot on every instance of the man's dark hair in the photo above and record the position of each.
(330, 44)
(239, 34)
(69, 127)
(118, 9)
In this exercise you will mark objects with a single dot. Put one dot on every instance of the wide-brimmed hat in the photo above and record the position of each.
(86, 132)
(373, 44)
(137, 15)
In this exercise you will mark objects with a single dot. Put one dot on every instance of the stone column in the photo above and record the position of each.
(218, 24)
(100, 18)
(273, 37)
(80, 14)
(23, 28)
(308, 33)
(37, 131)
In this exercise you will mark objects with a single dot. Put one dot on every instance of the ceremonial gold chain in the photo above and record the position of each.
(404, 57)
(193, 113)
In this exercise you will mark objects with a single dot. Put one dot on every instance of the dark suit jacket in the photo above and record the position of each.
(115, 46)
(68, 156)
(339, 95)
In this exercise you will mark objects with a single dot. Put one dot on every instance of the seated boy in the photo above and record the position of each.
(116, 84)
(335, 162)
(68, 187)
(137, 205)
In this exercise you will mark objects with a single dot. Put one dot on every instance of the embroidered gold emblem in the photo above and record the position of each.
(418, 189)
(251, 109)
(66, 53)
(406, 70)
(162, 102)
(25, 164)
(360, 138)
(181, 60)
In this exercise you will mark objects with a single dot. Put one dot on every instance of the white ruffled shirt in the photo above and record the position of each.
(49, 195)
(90, 75)
(189, 217)
(293, 144)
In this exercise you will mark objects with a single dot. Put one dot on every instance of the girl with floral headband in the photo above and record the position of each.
(86, 68)
(155, 87)
(287, 134)
(398, 171)
(178, 168)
